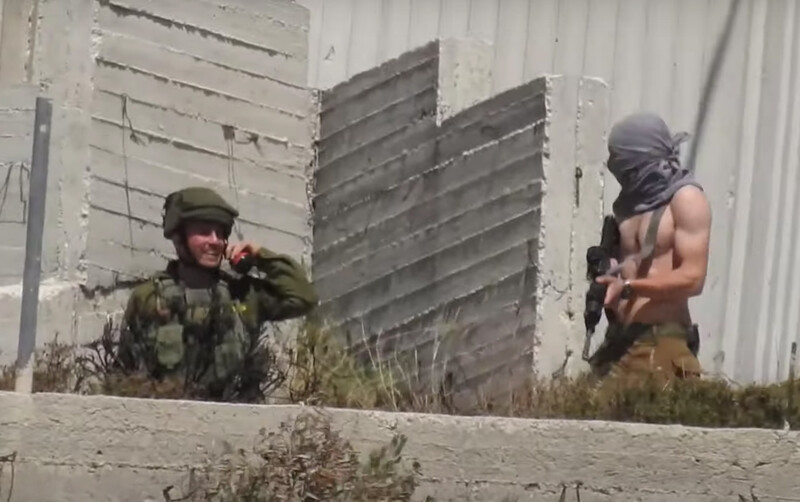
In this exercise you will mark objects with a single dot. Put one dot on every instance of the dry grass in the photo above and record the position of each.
(66, 368)
(305, 461)
(702, 403)
(7, 377)
(326, 374)
(53, 369)
(321, 372)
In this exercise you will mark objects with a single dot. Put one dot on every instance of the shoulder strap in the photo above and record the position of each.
(648, 246)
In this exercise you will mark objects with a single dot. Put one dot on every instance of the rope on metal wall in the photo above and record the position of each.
(711, 82)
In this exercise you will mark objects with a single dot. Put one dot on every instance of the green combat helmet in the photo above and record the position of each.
(196, 203)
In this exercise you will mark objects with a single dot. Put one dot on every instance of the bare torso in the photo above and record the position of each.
(642, 309)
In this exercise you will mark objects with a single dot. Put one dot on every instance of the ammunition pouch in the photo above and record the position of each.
(169, 346)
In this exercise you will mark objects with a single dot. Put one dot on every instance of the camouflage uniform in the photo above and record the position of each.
(209, 336)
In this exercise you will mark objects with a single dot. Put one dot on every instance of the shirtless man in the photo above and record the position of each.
(652, 330)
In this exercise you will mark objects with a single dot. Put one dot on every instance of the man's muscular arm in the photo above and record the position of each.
(692, 216)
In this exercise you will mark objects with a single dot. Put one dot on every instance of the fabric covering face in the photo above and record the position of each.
(644, 158)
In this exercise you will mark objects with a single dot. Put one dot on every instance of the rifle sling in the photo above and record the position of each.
(648, 246)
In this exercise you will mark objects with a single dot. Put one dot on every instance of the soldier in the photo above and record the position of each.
(651, 330)
(199, 322)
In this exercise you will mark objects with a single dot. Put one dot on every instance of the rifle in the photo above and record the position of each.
(598, 262)
(598, 259)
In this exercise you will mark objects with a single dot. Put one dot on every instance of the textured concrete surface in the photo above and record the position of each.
(66, 311)
(148, 97)
(458, 244)
(15, 40)
(16, 123)
(465, 75)
(83, 449)
(207, 93)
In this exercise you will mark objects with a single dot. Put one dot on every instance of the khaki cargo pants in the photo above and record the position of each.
(641, 351)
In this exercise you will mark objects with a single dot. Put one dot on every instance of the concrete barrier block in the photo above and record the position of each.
(388, 186)
(465, 75)
(76, 448)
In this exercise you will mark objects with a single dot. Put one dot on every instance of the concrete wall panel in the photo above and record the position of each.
(419, 226)
(243, 26)
(16, 140)
(87, 449)
(201, 95)
(283, 59)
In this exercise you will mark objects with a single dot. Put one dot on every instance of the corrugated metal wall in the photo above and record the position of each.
(654, 54)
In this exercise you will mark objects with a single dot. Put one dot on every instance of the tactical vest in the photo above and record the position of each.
(200, 333)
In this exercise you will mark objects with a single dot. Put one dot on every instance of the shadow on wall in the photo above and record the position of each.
(449, 241)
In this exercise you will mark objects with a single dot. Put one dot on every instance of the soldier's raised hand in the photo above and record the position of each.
(237, 248)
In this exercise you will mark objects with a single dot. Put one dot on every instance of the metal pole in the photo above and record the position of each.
(37, 193)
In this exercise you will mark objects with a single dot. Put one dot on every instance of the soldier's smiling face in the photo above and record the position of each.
(206, 241)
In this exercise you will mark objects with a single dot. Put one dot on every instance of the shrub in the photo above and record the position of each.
(701, 402)
(54, 369)
(302, 462)
(321, 372)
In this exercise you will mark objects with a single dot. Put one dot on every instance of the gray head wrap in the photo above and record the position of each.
(644, 158)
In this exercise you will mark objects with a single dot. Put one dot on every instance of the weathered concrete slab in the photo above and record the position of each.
(64, 311)
(184, 32)
(202, 90)
(86, 449)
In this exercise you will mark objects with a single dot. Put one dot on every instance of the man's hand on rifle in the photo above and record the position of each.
(614, 281)
(614, 285)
